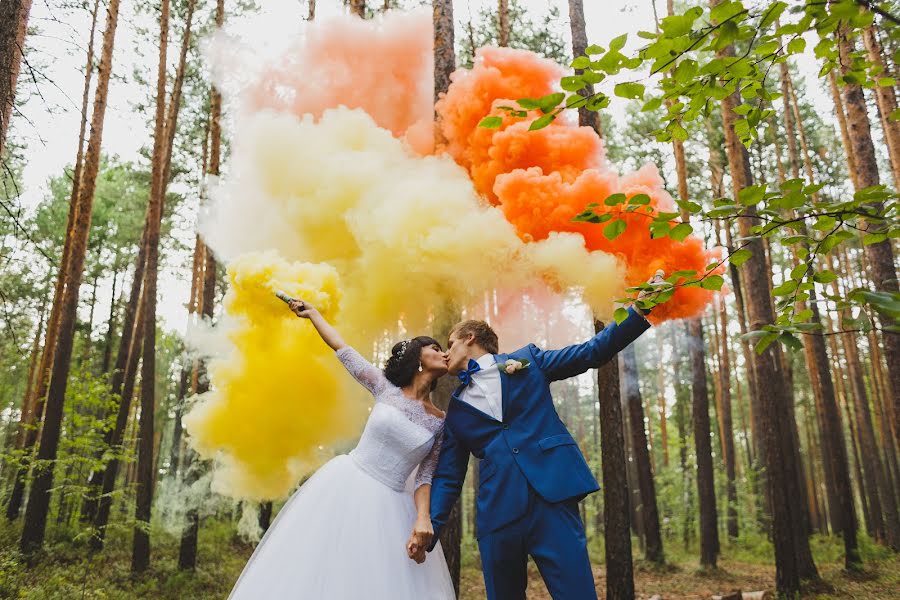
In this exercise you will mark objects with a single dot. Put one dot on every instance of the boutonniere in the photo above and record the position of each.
(514, 366)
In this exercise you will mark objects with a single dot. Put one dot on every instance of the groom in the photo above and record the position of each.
(532, 474)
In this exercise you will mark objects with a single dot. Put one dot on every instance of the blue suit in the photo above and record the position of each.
(532, 474)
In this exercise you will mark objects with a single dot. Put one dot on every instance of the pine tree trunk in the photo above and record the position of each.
(503, 18)
(586, 118)
(619, 567)
(837, 471)
(140, 557)
(38, 398)
(39, 499)
(358, 8)
(770, 377)
(13, 27)
(886, 99)
(681, 417)
(880, 255)
(649, 511)
(661, 404)
(444, 55)
(265, 516)
(727, 431)
(706, 491)
(110, 324)
(844, 129)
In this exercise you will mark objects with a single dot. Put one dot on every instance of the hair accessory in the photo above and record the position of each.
(403, 346)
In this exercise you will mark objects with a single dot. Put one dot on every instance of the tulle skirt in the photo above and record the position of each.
(342, 536)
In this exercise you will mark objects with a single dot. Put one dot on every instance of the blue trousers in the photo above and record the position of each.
(553, 534)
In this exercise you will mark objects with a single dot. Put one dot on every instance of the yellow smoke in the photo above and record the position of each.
(380, 235)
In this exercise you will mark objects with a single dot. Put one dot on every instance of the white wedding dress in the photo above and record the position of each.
(343, 534)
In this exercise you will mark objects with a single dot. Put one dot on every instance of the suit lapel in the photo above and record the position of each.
(500, 358)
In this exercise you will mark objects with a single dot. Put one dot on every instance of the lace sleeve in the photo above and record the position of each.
(429, 463)
(362, 370)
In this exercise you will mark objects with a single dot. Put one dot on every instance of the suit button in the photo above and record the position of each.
(515, 450)
(506, 427)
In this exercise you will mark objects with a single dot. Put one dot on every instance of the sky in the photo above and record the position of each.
(49, 121)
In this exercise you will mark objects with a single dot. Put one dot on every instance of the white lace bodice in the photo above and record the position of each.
(399, 435)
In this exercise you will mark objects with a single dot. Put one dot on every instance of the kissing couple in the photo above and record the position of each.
(366, 524)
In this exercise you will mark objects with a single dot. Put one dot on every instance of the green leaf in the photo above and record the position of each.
(615, 200)
(491, 122)
(529, 103)
(873, 238)
(550, 101)
(582, 62)
(630, 90)
(542, 122)
(796, 45)
(712, 282)
(752, 194)
(598, 102)
(614, 229)
(639, 199)
(765, 342)
(652, 104)
(785, 288)
(799, 271)
(689, 206)
(739, 257)
(572, 83)
(725, 11)
(825, 276)
(620, 315)
(790, 341)
(678, 131)
(594, 49)
(617, 43)
(680, 232)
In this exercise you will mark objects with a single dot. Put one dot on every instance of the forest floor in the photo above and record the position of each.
(66, 571)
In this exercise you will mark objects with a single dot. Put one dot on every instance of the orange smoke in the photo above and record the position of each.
(542, 179)
(383, 66)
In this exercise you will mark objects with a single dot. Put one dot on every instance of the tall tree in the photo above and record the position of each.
(39, 498)
(187, 553)
(140, 557)
(886, 98)
(586, 117)
(13, 26)
(726, 430)
(649, 512)
(358, 7)
(619, 566)
(39, 391)
(836, 467)
(880, 254)
(781, 472)
(444, 65)
(503, 19)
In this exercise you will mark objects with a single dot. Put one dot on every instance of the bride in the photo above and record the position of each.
(344, 535)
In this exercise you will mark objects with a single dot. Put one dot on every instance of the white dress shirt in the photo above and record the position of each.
(485, 391)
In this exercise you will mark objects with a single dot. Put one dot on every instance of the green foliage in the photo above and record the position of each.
(699, 58)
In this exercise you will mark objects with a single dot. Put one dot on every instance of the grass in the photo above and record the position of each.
(67, 571)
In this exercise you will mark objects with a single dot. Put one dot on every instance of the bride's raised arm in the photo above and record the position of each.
(362, 370)
(328, 333)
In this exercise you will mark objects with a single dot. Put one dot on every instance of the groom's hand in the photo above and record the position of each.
(656, 281)
(414, 551)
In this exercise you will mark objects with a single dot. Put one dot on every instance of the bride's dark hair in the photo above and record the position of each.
(403, 363)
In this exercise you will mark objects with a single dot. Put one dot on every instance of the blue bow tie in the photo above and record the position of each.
(466, 376)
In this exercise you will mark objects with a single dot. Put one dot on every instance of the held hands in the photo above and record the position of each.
(420, 540)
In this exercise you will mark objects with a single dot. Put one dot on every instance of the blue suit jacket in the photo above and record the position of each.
(531, 446)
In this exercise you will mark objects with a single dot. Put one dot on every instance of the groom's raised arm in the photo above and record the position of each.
(574, 360)
(447, 482)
